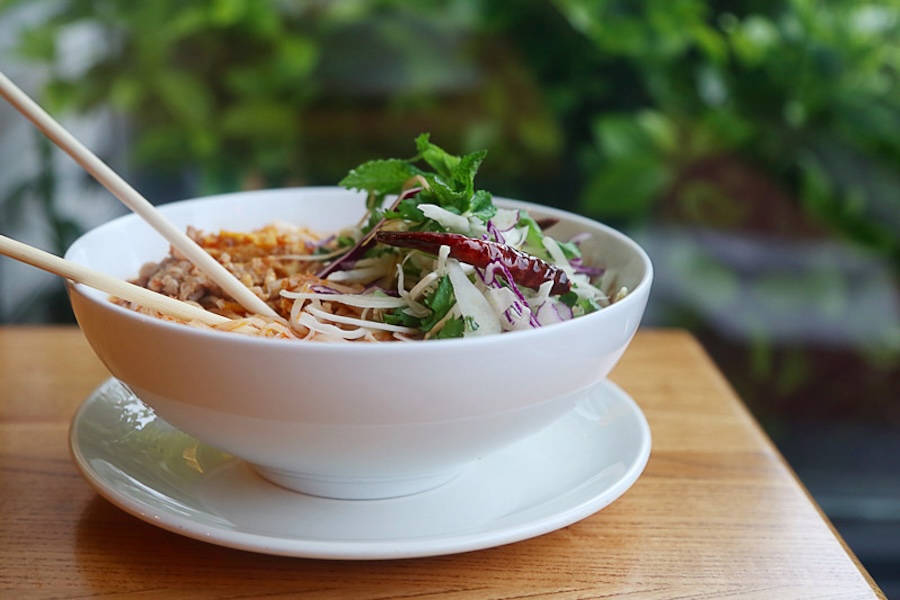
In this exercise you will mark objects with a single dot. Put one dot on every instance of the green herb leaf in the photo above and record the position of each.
(400, 317)
(453, 328)
(588, 305)
(443, 194)
(483, 205)
(569, 249)
(440, 302)
(408, 209)
(534, 237)
(380, 176)
(444, 163)
(450, 182)
(570, 299)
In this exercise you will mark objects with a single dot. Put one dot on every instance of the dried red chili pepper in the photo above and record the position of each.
(525, 269)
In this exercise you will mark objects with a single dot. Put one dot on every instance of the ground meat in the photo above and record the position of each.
(178, 278)
(258, 259)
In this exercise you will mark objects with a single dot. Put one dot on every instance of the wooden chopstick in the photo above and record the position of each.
(106, 283)
(131, 198)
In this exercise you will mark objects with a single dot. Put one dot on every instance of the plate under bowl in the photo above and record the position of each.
(564, 473)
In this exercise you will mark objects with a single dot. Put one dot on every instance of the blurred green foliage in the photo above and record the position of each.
(207, 83)
(804, 91)
(780, 119)
(613, 101)
(249, 91)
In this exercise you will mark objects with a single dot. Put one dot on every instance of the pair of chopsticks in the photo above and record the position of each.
(106, 283)
(138, 204)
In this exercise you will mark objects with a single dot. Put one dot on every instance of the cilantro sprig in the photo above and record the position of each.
(440, 301)
(449, 182)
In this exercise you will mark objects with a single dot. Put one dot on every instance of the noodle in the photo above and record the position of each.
(384, 295)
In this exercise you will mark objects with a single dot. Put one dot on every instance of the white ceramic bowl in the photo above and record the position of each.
(349, 420)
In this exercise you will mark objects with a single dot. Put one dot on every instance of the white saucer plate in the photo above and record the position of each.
(558, 476)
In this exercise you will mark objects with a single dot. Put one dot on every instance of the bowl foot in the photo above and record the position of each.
(358, 488)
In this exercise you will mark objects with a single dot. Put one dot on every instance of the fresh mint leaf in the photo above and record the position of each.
(453, 181)
(443, 163)
(450, 182)
(461, 181)
(445, 195)
(483, 205)
(464, 174)
(408, 209)
(449, 195)
(380, 177)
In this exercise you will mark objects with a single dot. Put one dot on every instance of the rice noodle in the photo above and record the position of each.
(375, 297)
(357, 300)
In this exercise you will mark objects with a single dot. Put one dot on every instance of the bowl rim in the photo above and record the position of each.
(635, 294)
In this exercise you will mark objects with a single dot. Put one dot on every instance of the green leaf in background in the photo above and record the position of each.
(225, 13)
(127, 92)
(186, 98)
(295, 58)
(261, 119)
(627, 187)
(38, 44)
(647, 132)
(753, 40)
(850, 210)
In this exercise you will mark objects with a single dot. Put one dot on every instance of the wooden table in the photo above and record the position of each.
(717, 513)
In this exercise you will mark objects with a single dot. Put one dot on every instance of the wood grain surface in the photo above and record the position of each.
(716, 514)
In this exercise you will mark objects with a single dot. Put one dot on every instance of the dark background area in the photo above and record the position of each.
(751, 146)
